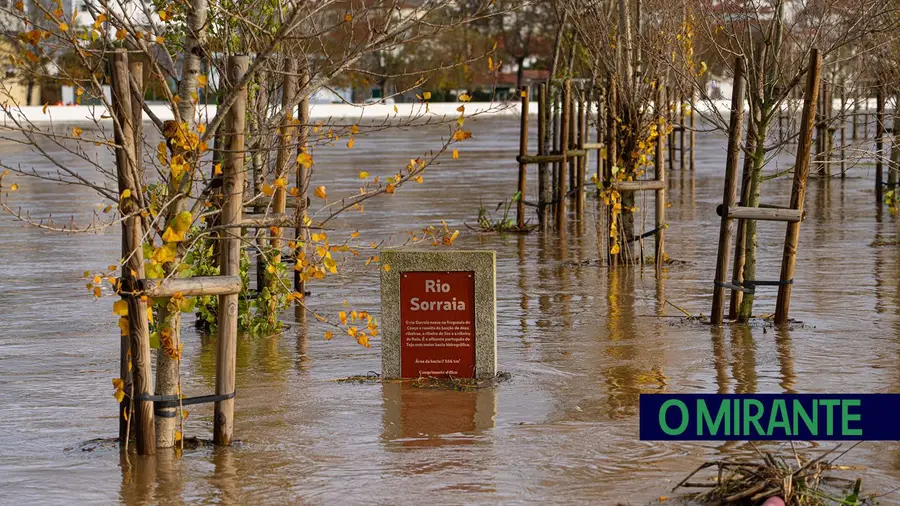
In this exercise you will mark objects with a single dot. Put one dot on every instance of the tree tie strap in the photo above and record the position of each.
(649, 234)
(173, 401)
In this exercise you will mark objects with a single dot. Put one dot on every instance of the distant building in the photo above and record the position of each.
(14, 87)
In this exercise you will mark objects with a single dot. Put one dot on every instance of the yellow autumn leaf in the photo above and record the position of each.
(120, 307)
(14, 187)
(182, 221)
(389, 189)
(387, 268)
(217, 170)
(354, 129)
(464, 98)
(201, 81)
(44, 110)
(120, 34)
(118, 383)
(490, 63)
(355, 234)
(348, 18)
(125, 194)
(119, 395)
(165, 253)
(98, 279)
(320, 192)
(426, 95)
(461, 135)
(363, 174)
(63, 27)
(171, 235)
(76, 131)
(350, 144)
(267, 190)
(328, 335)
(97, 291)
(304, 159)
(456, 154)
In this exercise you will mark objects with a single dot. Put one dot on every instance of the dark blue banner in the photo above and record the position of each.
(756, 417)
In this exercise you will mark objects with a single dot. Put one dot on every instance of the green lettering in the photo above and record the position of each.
(662, 417)
(800, 412)
(829, 415)
(752, 418)
(703, 417)
(779, 418)
(846, 417)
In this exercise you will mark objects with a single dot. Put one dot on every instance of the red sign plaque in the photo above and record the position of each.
(437, 324)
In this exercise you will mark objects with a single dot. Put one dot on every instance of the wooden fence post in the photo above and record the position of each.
(798, 191)
(302, 171)
(544, 195)
(523, 167)
(132, 241)
(563, 149)
(230, 254)
(725, 227)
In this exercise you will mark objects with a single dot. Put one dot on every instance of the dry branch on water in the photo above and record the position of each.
(798, 480)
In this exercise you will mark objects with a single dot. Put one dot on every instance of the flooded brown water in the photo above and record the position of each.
(580, 342)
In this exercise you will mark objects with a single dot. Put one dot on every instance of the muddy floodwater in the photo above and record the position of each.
(580, 344)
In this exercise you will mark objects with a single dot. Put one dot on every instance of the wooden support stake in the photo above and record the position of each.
(693, 130)
(673, 112)
(132, 244)
(200, 285)
(681, 135)
(230, 254)
(564, 148)
(612, 158)
(761, 213)
(798, 189)
(523, 167)
(725, 226)
(843, 133)
(638, 186)
(302, 172)
(601, 123)
(879, 144)
(581, 163)
(283, 161)
(659, 238)
(544, 195)
(573, 163)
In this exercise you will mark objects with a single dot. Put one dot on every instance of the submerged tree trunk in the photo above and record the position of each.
(169, 355)
(750, 241)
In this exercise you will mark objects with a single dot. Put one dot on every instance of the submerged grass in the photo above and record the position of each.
(798, 481)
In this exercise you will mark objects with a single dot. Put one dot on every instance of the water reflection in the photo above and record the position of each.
(417, 416)
(743, 349)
